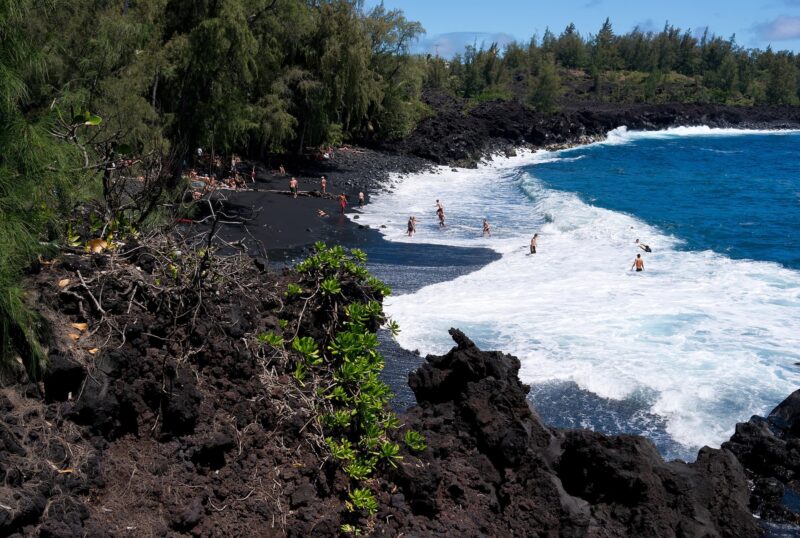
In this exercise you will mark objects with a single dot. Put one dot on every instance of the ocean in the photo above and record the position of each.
(705, 337)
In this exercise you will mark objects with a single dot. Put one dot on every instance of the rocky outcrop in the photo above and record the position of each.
(453, 135)
(493, 468)
(183, 428)
(769, 450)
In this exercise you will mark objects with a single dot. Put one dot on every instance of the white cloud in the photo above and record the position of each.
(451, 43)
(782, 28)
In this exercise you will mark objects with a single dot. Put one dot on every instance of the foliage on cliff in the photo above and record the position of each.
(654, 67)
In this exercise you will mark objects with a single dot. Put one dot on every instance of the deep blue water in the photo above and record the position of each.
(737, 195)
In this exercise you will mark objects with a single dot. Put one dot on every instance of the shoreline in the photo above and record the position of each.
(347, 231)
(454, 138)
(583, 401)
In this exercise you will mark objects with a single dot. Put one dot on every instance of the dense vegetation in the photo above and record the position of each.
(671, 65)
(99, 95)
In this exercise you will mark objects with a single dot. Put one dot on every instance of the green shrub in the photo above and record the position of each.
(415, 441)
(341, 450)
(293, 290)
(360, 468)
(331, 286)
(390, 452)
(271, 339)
(363, 499)
(307, 347)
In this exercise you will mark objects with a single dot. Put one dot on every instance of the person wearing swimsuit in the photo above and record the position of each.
(293, 187)
(440, 213)
(412, 225)
(486, 230)
(533, 243)
(638, 263)
(342, 201)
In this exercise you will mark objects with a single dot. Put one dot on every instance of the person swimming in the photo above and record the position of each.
(638, 263)
(642, 246)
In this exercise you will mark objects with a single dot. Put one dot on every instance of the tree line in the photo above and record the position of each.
(671, 65)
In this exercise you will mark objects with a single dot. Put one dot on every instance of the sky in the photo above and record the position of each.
(451, 24)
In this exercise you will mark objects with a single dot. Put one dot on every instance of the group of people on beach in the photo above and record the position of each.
(204, 184)
(323, 189)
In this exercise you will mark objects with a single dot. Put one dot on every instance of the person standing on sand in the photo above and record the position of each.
(533, 243)
(282, 170)
(293, 187)
(360, 199)
(323, 185)
(486, 230)
(342, 202)
(638, 263)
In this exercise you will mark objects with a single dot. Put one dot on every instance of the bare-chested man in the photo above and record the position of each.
(293, 187)
(486, 230)
(440, 213)
(533, 243)
(323, 185)
(638, 263)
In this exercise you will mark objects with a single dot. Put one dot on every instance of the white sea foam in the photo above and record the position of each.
(714, 338)
(621, 135)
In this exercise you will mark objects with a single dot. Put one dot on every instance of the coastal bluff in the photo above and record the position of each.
(184, 428)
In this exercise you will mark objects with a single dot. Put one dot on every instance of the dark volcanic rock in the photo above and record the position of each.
(492, 468)
(455, 135)
(769, 449)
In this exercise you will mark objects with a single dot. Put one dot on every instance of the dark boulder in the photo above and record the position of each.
(769, 449)
(492, 468)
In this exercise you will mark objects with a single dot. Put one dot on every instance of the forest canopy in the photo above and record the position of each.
(672, 65)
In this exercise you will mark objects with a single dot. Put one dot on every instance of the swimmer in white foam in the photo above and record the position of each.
(638, 263)
(642, 246)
